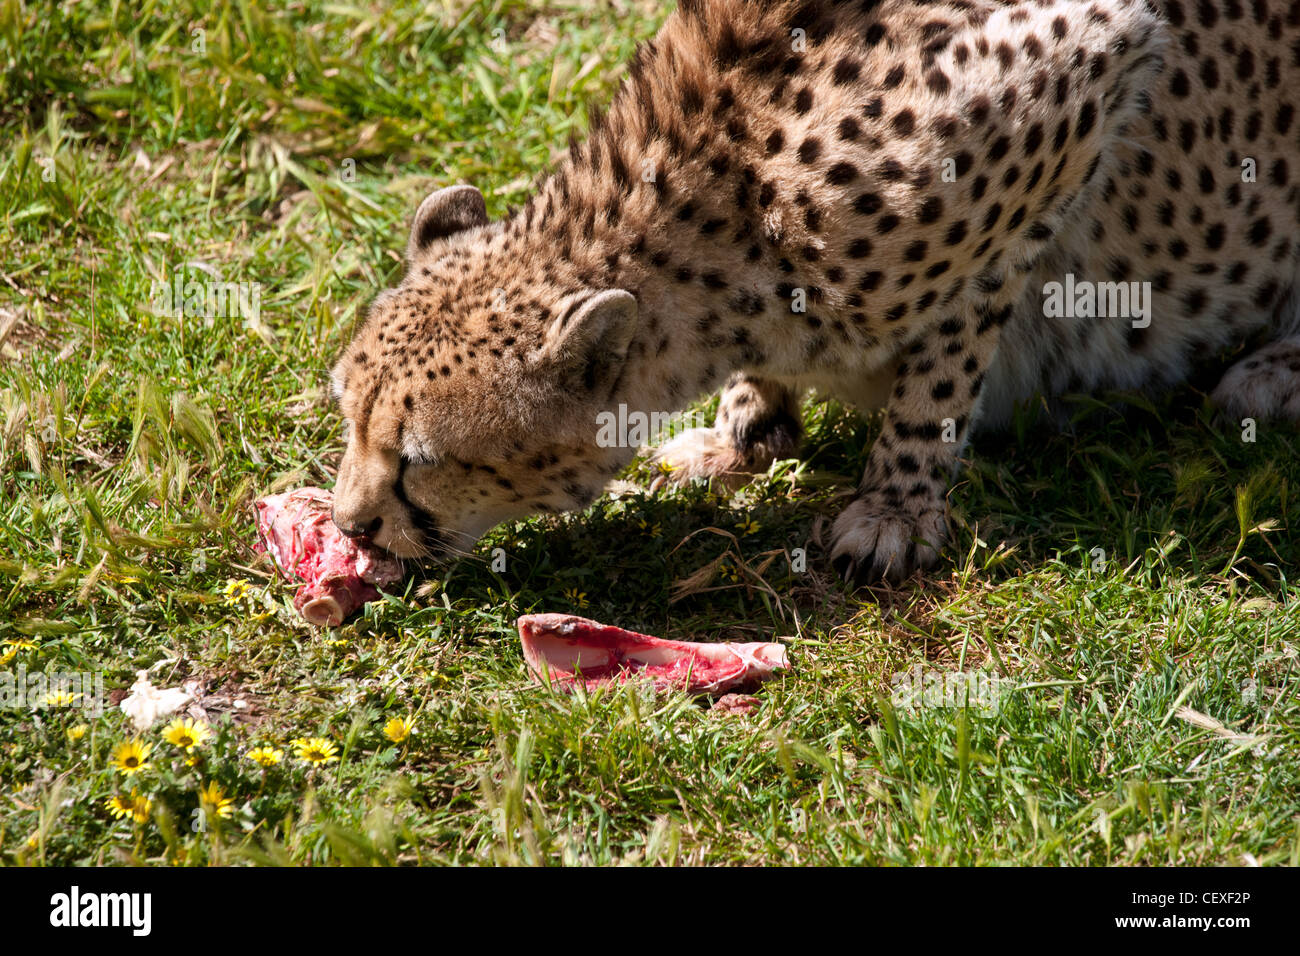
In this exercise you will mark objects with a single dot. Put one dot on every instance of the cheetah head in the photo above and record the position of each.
(471, 392)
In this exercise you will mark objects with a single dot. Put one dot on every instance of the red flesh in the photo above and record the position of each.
(575, 650)
(339, 573)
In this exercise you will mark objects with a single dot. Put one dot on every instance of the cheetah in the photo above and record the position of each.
(865, 198)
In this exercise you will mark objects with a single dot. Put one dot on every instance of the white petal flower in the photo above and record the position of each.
(147, 703)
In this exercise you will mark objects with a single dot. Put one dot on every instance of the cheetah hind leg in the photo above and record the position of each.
(1264, 385)
(758, 423)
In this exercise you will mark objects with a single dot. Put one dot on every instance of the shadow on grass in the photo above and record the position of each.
(1124, 477)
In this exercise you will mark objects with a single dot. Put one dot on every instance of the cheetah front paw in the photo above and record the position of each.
(1265, 385)
(701, 453)
(873, 540)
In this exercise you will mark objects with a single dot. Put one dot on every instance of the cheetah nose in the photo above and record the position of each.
(358, 531)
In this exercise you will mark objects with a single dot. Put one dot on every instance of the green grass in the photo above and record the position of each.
(131, 445)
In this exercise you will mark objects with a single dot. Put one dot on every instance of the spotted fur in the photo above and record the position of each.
(914, 174)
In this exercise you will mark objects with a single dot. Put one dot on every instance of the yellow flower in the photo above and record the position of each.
(130, 756)
(235, 591)
(576, 597)
(15, 645)
(748, 526)
(76, 732)
(398, 729)
(186, 733)
(215, 801)
(135, 806)
(60, 698)
(314, 750)
(266, 756)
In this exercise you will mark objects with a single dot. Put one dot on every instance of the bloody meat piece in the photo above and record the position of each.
(339, 573)
(576, 650)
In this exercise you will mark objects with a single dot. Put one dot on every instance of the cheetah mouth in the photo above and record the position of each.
(414, 544)
(430, 538)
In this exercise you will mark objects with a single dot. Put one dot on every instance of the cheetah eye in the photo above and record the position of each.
(411, 451)
(405, 459)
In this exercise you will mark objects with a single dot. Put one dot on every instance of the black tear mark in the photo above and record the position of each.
(423, 520)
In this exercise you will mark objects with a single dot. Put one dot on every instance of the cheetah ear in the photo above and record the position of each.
(589, 339)
(443, 213)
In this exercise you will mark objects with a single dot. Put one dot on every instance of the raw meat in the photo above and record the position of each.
(575, 650)
(339, 572)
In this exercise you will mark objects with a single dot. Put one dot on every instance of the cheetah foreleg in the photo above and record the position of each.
(758, 422)
(897, 522)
